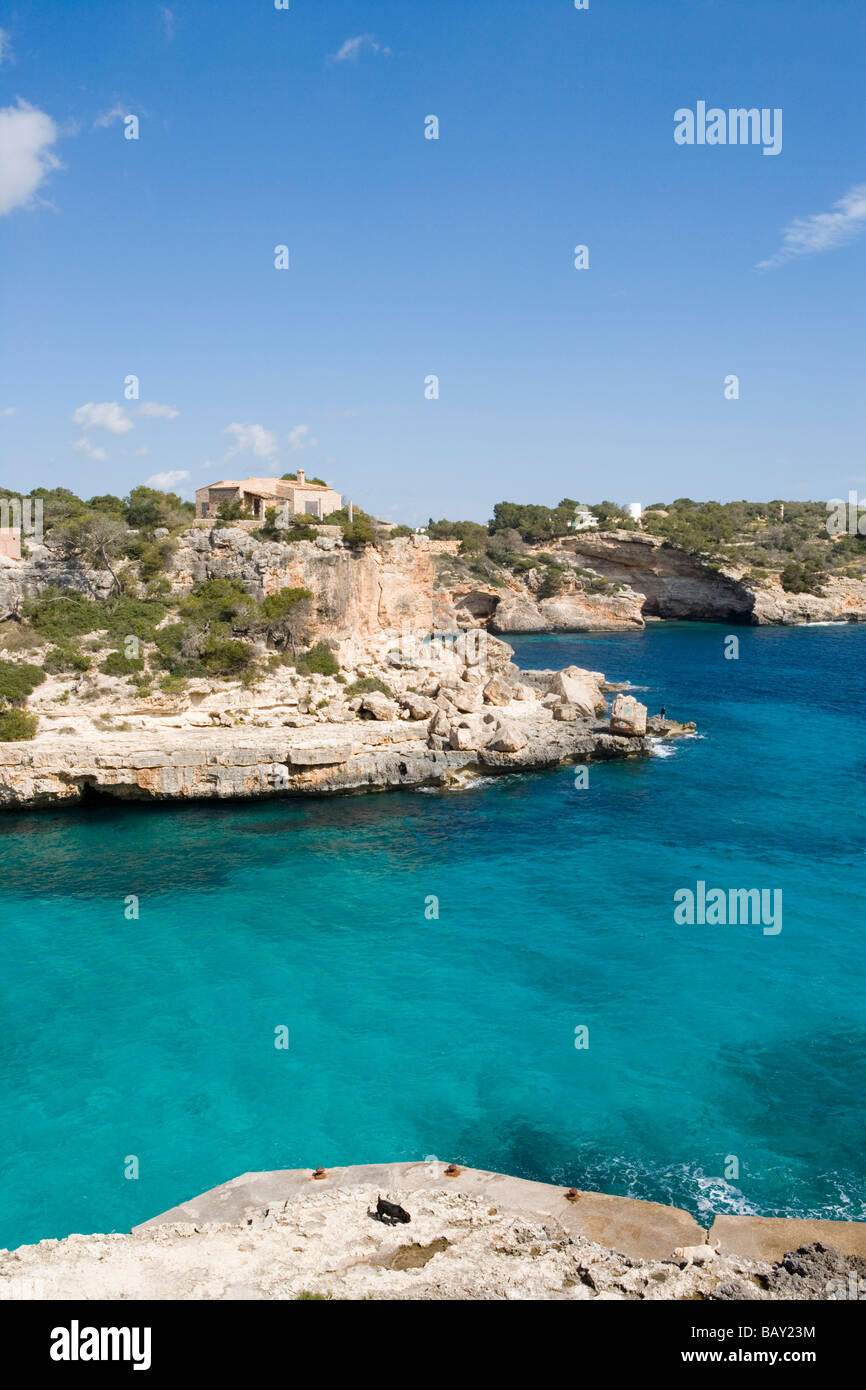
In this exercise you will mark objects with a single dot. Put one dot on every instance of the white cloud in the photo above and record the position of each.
(5, 47)
(26, 135)
(117, 113)
(141, 453)
(353, 48)
(105, 416)
(84, 446)
(169, 22)
(298, 439)
(155, 411)
(10, 410)
(167, 482)
(251, 438)
(823, 231)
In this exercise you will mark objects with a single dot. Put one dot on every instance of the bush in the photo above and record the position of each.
(59, 616)
(118, 664)
(17, 724)
(18, 680)
(801, 577)
(226, 657)
(66, 657)
(318, 661)
(218, 601)
(359, 532)
(365, 685)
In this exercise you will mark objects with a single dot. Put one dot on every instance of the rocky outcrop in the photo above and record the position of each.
(652, 579)
(568, 613)
(222, 763)
(358, 593)
(841, 600)
(471, 1235)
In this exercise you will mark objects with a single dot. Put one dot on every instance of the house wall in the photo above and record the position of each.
(10, 542)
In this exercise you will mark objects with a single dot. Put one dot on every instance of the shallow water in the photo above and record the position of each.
(410, 1036)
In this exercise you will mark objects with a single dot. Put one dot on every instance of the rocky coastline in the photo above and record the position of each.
(474, 1235)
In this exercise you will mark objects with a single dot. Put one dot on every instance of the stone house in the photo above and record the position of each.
(10, 542)
(303, 498)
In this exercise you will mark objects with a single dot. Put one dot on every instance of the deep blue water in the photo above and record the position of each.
(455, 1036)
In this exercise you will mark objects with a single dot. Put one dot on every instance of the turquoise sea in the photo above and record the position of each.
(412, 1036)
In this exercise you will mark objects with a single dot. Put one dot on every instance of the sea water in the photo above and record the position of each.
(434, 959)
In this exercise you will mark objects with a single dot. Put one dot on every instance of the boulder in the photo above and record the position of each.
(380, 706)
(464, 738)
(509, 739)
(499, 690)
(466, 698)
(575, 686)
(628, 716)
(440, 725)
(418, 706)
(565, 712)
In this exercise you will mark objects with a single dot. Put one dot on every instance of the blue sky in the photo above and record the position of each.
(411, 257)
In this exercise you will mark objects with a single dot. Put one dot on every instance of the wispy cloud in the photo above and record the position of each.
(823, 231)
(107, 415)
(167, 481)
(298, 439)
(84, 446)
(352, 49)
(107, 118)
(154, 411)
(169, 22)
(251, 439)
(9, 410)
(5, 47)
(26, 137)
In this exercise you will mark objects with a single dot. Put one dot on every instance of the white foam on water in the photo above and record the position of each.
(662, 749)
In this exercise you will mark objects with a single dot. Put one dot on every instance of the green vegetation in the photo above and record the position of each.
(66, 657)
(117, 664)
(17, 724)
(802, 577)
(18, 679)
(318, 661)
(366, 685)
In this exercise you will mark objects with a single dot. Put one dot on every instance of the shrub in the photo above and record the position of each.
(118, 664)
(801, 577)
(226, 657)
(218, 601)
(359, 532)
(318, 661)
(17, 724)
(171, 684)
(59, 616)
(18, 680)
(365, 685)
(66, 657)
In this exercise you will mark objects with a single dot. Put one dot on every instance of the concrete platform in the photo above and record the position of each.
(642, 1230)
(771, 1237)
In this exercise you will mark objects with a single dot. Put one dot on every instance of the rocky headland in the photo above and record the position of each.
(410, 698)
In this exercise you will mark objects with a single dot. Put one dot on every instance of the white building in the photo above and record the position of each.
(583, 519)
(634, 509)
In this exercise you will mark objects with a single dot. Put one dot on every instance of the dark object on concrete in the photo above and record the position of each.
(391, 1213)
